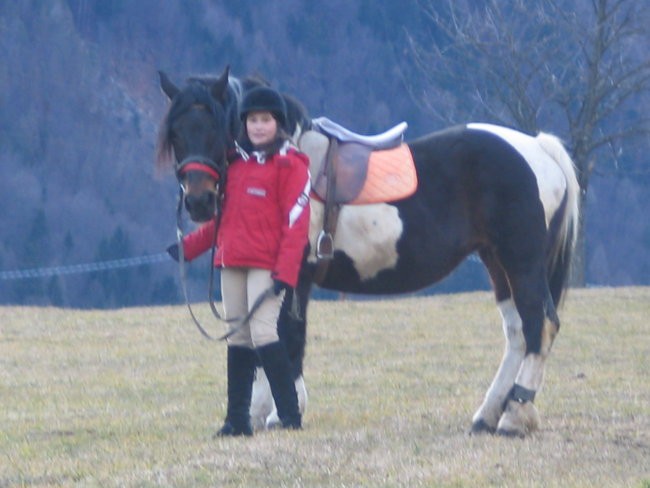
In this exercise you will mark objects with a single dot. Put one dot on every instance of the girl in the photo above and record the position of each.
(260, 244)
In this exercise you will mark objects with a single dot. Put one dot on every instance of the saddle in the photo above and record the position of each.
(354, 169)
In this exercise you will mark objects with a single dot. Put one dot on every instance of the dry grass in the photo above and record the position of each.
(132, 397)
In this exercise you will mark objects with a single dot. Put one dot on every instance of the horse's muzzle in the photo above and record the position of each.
(202, 207)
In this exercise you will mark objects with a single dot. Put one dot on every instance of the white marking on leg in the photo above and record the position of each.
(301, 390)
(367, 234)
(263, 412)
(261, 400)
(522, 418)
(491, 409)
(531, 374)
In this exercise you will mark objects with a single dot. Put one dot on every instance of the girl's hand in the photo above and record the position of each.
(278, 286)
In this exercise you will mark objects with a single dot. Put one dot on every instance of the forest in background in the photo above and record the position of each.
(81, 106)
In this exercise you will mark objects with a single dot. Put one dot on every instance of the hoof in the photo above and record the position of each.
(481, 427)
(273, 421)
(511, 433)
(518, 420)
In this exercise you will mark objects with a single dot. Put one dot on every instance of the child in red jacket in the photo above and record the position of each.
(260, 243)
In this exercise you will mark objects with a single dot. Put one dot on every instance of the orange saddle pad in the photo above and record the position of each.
(391, 176)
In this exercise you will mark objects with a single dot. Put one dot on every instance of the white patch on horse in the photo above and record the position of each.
(264, 414)
(367, 234)
(531, 374)
(551, 180)
(491, 409)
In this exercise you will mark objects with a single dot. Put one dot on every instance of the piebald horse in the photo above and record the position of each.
(510, 197)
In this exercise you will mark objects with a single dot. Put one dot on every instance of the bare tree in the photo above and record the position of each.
(578, 67)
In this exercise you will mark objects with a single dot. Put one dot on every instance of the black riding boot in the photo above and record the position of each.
(241, 372)
(278, 371)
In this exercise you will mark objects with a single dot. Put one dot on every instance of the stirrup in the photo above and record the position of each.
(325, 246)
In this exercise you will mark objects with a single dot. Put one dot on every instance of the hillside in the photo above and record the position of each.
(81, 106)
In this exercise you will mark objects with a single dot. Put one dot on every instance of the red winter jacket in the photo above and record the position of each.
(265, 216)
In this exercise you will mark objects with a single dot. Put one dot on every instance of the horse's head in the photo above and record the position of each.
(195, 136)
(200, 127)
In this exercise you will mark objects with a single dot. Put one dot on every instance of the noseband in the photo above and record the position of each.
(200, 163)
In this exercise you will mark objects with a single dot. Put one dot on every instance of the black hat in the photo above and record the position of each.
(264, 99)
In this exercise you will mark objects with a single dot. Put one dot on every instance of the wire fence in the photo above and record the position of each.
(25, 274)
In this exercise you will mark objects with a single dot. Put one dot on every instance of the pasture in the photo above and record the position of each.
(132, 397)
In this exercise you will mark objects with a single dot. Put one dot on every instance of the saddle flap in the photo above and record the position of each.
(350, 166)
(351, 163)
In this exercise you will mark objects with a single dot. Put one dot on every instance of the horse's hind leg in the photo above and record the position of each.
(520, 416)
(533, 302)
(487, 416)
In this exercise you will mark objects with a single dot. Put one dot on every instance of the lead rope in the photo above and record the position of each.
(181, 267)
(217, 223)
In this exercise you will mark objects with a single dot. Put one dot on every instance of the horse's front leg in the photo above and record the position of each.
(262, 404)
(487, 416)
(263, 412)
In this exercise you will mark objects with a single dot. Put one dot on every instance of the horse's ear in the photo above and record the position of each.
(218, 89)
(167, 86)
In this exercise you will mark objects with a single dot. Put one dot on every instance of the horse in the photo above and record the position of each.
(510, 197)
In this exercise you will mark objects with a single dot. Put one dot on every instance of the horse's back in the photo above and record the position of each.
(493, 156)
(470, 167)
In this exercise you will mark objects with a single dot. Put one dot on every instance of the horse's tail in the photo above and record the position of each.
(563, 228)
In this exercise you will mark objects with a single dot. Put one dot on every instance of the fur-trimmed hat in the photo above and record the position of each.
(264, 99)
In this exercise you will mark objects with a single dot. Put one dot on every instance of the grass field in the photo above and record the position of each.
(132, 397)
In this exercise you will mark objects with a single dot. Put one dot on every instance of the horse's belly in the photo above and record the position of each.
(367, 234)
